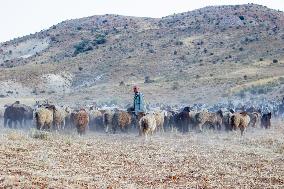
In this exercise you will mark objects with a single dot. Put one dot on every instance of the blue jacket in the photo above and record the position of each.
(138, 103)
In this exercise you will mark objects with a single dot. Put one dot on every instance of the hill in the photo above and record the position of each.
(206, 55)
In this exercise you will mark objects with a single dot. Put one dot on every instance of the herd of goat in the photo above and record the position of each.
(51, 117)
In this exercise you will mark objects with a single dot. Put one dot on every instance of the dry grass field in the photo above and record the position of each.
(29, 159)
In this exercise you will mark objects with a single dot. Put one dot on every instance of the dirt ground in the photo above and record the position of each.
(29, 159)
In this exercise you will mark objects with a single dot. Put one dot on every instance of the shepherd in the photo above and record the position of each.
(138, 102)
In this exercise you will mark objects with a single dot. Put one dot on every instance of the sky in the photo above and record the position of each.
(23, 17)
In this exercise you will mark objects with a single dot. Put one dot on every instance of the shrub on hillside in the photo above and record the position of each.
(83, 46)
(175, 86)
(241, 17)
(100, 39)
(121, 83)
(148, 80)
(275, 60)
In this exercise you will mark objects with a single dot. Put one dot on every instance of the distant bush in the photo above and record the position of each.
(121, 83)
(80, 68)
(261, 89)
(151, 51)
(175, 52)
(100, 39)
(178, 43)
(261, 59)
(83, 46)
(175, 86)
(39, 135)
(275, 60)
(241, 17)
(148, 80)
(281, 80)
(79, 28)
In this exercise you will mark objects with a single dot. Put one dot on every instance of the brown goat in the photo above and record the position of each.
(240, 120)
(205, 117)
(81, 121)
(122, 120)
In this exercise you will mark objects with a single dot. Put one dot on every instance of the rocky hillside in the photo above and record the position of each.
(206, 55)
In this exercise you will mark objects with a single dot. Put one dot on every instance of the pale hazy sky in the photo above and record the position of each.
(22, 17)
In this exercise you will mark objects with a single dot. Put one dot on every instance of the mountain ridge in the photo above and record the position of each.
(182, 54)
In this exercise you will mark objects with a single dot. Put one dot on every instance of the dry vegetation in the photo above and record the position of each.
(195, 56)
(29, 159)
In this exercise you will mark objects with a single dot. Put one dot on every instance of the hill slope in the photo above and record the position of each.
(205, 55)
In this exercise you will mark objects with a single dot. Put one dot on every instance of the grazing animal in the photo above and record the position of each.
(122, 120)
(182, 121)
(59, 117)
(107, 119)
(2, 110)
(68, 122)
(81, 121)
(160, 118)
(240, 120)
(254, 119)
(169, 120)
(44, 117)
(17, 113)
(212, 119)
(96, 119)
(226, 120)
(72, 119)
(147, 125)
(266, 120)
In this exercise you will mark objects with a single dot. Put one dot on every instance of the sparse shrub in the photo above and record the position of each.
(42, 135)
(100, 39)
(121, 83)
(148, 80)
(241, 17)
(281, 80)
(175, 52)
(80, 68)
(242, 94)
(241, 49)
(179, 43)
(175, 86)
(275, 60)
(83, 46)
(245, 77)
(151, 51)
(261, 59)
(53, 39)
(182, 57)
(79, 28)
